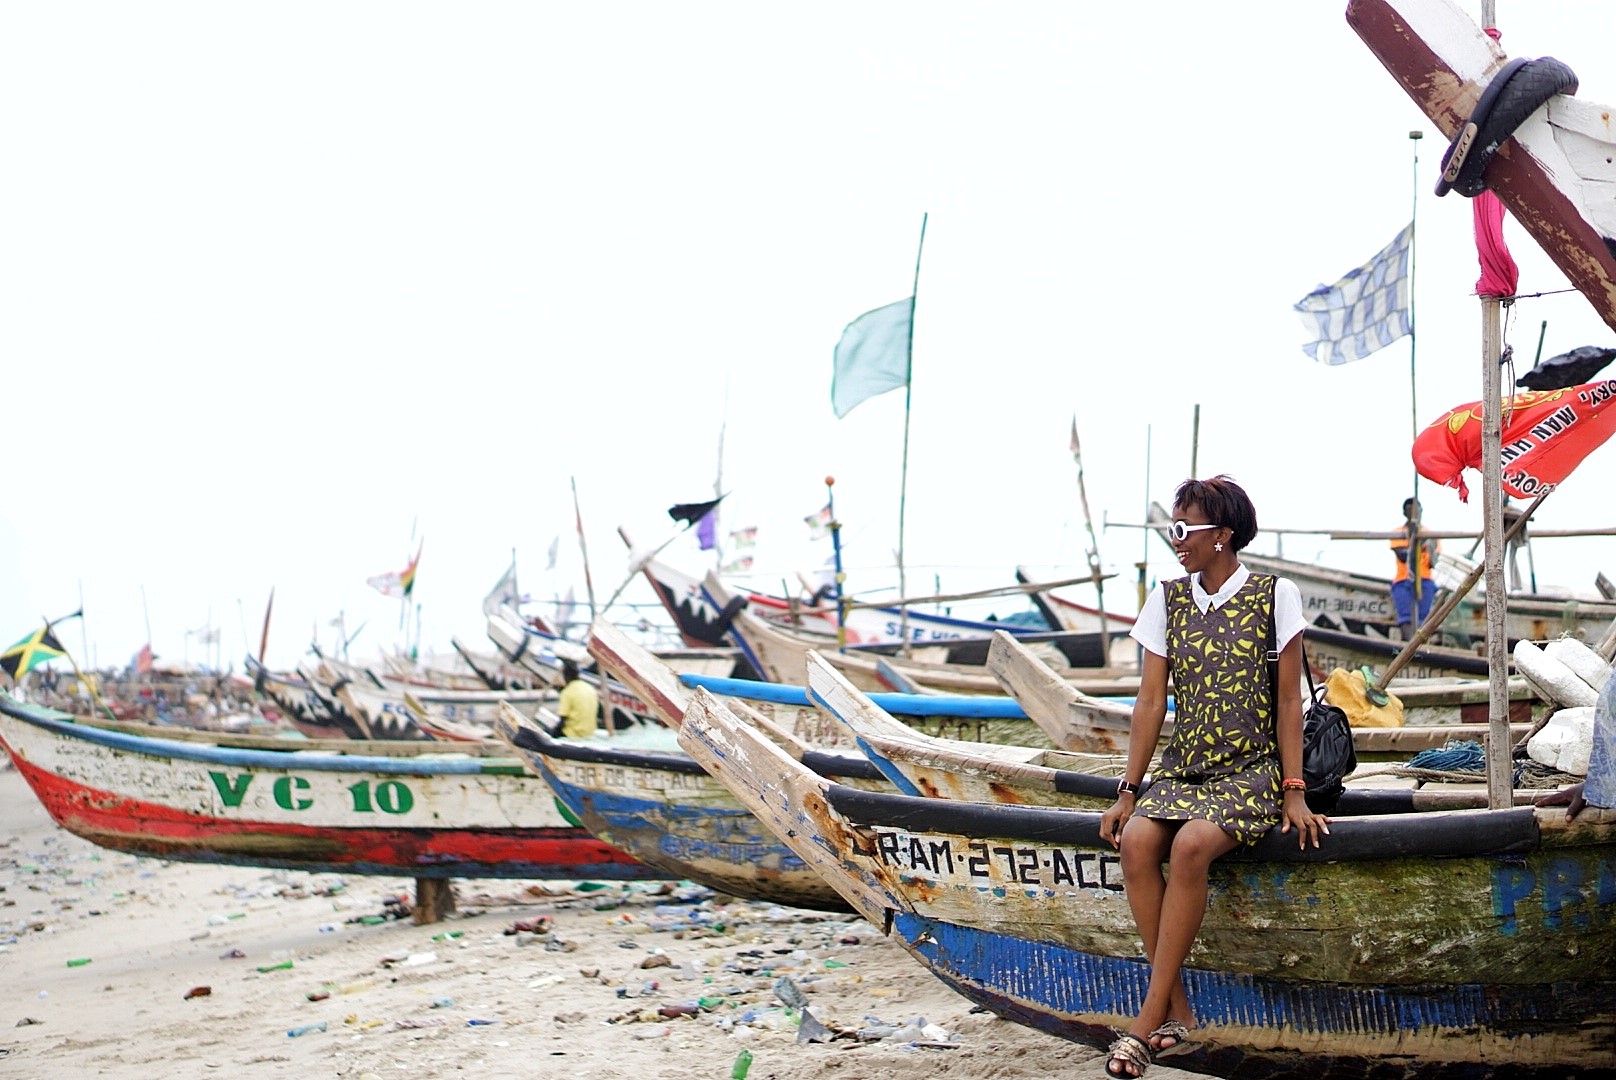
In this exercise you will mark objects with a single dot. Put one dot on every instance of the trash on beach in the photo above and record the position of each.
(198, 991)
(305, 1029)
(284, 965)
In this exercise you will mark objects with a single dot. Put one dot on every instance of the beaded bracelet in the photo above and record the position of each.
(1291, 783)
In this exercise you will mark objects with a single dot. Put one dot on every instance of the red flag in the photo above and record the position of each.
(143, 660)
(1499, 274)
(1546, 433)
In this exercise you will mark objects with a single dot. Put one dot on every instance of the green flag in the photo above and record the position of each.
(873, 355)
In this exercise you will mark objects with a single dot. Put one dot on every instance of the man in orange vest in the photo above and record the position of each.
(1412, 586)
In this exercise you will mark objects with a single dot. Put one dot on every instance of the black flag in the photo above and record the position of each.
(690, 513)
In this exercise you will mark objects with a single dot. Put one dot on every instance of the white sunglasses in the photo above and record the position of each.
(1180, 530)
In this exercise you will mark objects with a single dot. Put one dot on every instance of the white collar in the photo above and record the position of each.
(1204, 600)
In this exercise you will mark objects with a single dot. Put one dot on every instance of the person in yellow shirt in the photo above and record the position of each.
(579, 706)
(1404, 593)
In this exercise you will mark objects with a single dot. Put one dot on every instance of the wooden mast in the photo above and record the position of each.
(1499, 763)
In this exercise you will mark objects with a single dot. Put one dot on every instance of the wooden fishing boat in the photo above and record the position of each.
(390, 713)
(494, 672)
(1457, 943)
(543, 653)
(779, 654)
(877, 628)
(1327, 649)
(1358, 603)
(410, 811)
(980, 719)
(663, 808)
(1067, 614)
(299, 705)
(330, 684)
(1434, 713)
(919, 764)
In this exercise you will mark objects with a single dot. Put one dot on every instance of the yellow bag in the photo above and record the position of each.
(1349, 690)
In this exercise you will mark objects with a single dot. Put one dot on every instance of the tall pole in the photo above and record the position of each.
(583, 549)
(1415, 581)
(1414, 138)
(146, 614)
(1094, 548)
(84, 631)
(836, 554)
(1195, 440)
(1144, 555)
(903, 480)
(1499, 779)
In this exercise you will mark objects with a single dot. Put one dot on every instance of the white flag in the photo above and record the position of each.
(503, 594)
(1363, 312)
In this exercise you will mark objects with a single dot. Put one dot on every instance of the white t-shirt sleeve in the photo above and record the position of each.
(1150, 625)
(1288, 620)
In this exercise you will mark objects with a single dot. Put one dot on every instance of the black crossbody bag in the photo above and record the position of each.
(1327, 751)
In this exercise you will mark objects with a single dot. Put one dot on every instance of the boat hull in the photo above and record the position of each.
(673, 815)
(316, 811)
(1465, 943)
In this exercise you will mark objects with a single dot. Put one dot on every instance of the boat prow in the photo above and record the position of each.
(1555, 172)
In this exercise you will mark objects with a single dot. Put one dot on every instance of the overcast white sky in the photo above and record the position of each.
(281, 284)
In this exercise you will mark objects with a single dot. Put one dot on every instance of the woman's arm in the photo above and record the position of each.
(1294, 812)
(1149, 710)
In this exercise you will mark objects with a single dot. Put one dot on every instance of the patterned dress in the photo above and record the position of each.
(1221, 763)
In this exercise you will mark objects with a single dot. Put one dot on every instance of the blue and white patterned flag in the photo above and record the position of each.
(873, 355)
(1366, 310)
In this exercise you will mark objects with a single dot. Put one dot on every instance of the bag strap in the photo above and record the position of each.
(1273, 653)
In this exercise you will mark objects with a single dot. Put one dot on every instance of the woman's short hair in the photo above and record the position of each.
(1224, 503)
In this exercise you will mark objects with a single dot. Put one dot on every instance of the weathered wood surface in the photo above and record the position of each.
(1553, 174)
(679, 819)
(1080, 723)
(1423, 958)
(948, 768)
(793, 715)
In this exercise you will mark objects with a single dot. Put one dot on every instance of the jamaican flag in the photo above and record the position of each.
(30, 652)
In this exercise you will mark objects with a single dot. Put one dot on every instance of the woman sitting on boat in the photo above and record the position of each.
(1230, 771)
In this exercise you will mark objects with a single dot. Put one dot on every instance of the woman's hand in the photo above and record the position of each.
(1295, 814)
(1112, 821)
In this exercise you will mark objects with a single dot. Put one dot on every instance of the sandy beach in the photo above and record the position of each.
(117, 966)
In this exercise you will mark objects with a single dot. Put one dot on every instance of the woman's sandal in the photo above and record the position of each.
(1127, 1051)
(1173, 1030)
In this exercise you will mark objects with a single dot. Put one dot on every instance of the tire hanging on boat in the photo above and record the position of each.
(1518, 90)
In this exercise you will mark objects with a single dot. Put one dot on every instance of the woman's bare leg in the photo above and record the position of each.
(1179, 912)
